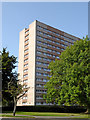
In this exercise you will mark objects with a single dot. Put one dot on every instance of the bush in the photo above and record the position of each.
(60, 109)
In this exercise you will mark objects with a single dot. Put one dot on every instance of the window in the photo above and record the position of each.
(39, 47)
(26, 70)
(25, 55)
(26, 60)
(26, 40)
(39, 27)
(39, 85)
(38, 68)
(27, 36)
(39, 32)
(25, 80)
(45, 29)
(57, 57)
(49, 40)
(44, 80)
(45, 64)
(45, 69)
(58, 52)
(26, 75)
(38, 52)
(44, 43)
(57, 43)
(37, 73)
(45, 34)
(57, 38)
(27, 32)
(57, 34)
(44, 53)
(49, 55)
(49, 50)
(39, 37)
(26, 50)
(25, 86)
(49, 60)
(57, 47)
(54, 42)
(38, 63)
(62, 48)
(45, 59)
(54, 56)
(44, 39)
(53, 46)
(26, 65)
(39, 42)
(54, 51)
(53, 37)
(39, 97)
(38, 103)
(38, 79)
(24, 103)
(26, 45)
(49, 36)
(25, 97)
(44, 48)
(62, 40)
(49, 45)
(38, 58)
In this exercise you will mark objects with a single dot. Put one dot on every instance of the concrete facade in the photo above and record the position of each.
(39, 45)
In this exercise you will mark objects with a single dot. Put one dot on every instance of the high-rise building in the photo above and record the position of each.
(38, 46)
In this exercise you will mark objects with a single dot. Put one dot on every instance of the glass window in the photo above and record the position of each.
(26, 45)
(38, 68)
(26, 65)
(26, 75)
(26, 60)
(25, 55)
(26, 40)
(38, 52)
(26, 70)
(38, 57)
(26, 50)
(25, 80)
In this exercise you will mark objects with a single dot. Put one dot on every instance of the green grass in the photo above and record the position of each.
(75, 115)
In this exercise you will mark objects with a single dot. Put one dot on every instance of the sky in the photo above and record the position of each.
(70, 17)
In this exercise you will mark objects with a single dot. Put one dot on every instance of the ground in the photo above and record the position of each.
(45, 116)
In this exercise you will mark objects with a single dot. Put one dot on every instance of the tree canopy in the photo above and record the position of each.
(12, 89)
(17, 90)
(8, 65)
(69, 83)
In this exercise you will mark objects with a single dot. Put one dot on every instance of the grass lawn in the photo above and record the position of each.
(75, 115)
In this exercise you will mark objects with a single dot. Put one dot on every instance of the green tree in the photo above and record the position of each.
(8, 65)
(17, 90)
(69, 83)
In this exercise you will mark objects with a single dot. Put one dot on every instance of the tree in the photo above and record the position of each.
(69, 83)
(12, 90)
(17, 90)
(7, 68)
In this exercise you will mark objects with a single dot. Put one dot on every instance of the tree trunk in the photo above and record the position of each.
(88, 111)
(15, 104)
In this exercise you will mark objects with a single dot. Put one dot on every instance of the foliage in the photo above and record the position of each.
(12, 90)
(8, 65)
(17, 90)
(70, 81)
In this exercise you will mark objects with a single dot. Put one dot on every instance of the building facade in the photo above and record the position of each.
(38, 46)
